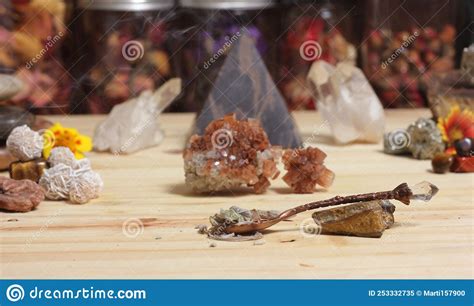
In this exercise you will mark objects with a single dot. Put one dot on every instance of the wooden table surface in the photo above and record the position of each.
(60, 240)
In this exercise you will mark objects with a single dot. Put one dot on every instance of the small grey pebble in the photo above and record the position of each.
(212, 244)
(259, 242)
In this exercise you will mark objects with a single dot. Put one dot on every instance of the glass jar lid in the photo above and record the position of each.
(227, 4)
(126, 5)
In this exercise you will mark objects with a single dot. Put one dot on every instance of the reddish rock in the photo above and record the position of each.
(19, 196)
(306, 169)
(462, 164)
(229, 154)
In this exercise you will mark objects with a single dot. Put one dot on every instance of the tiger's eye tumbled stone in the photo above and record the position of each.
(441, 163)
(30, 170)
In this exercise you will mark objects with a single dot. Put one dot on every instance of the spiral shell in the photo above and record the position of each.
(397, 141)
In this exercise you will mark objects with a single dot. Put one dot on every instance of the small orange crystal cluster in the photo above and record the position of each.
(231, 153)
(306, 169)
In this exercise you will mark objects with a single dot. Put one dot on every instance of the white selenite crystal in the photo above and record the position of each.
(24, 143)
(347, 102)
(133, 125)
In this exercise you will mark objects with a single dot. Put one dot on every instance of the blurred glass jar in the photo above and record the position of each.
(322, 30)
(448, 91)
(8, 61)
(208, 29)
(405, 43)
(31, 49)
(122, 51)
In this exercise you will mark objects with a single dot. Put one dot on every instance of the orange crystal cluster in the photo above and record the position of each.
(231, 153)
(306, 169)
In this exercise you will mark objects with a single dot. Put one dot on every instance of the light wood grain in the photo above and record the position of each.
(60, 240)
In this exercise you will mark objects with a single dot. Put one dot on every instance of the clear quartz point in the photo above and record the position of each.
(423, 191)
(347, 102)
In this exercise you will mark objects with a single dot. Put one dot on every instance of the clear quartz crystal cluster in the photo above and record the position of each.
(134, 125)
(229, 154)
(69, 178)
(347, 102)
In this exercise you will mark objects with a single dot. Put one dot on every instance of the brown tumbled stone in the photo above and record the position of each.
(441, 162)
(19, 196)
(30, 170)
(306, 169)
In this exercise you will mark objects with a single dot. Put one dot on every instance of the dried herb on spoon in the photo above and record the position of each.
(238, 222)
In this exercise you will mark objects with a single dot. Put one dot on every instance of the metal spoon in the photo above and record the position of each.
(403, 193)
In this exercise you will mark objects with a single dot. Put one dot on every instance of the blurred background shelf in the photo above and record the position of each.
(86, 56)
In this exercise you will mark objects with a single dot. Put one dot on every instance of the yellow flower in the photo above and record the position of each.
(457, 125)
(59, 136)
